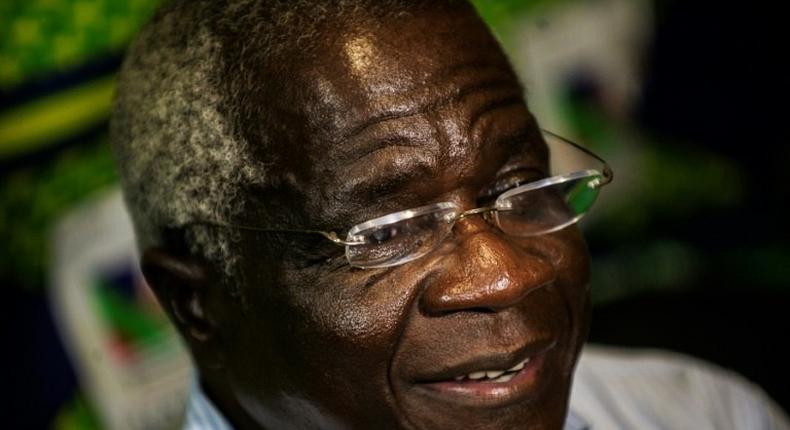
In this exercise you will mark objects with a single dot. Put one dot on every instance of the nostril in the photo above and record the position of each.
(481, 310)
(449, 311)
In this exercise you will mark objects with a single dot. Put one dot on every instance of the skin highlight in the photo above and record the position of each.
(403, 113)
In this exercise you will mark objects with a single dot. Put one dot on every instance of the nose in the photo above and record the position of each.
(486, 272)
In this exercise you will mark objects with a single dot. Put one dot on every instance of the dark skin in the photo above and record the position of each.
(392, 116)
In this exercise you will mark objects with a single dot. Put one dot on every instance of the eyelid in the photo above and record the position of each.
(333, 264)
(510, 179)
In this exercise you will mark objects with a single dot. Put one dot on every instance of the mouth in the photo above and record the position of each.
(495, 380)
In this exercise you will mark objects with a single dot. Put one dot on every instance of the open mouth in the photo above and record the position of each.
(494, 376)
(486, 382)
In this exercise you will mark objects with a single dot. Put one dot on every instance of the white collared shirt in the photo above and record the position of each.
(619, 388)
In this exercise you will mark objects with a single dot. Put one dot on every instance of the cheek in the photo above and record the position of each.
(575, 266)
(358, 323)
(328, 339)
(567, 252)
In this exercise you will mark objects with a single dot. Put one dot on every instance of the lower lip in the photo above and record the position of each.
(523, 385)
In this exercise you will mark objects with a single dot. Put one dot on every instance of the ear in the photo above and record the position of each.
(180, 283)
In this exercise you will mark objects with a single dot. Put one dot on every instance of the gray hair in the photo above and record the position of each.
(179, 158)
(178, 125)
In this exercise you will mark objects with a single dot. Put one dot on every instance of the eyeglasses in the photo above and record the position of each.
(531, 209)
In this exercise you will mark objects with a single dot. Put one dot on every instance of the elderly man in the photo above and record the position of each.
(348, 212)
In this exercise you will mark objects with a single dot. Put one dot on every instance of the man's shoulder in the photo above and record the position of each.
(631, 388)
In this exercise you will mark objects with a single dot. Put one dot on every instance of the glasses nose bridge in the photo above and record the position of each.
(481, 210)
(485, 211)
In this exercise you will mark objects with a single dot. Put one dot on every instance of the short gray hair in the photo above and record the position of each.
(179, 158)
(182, 100)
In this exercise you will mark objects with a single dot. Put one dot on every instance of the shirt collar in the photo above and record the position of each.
(575, 422)
(201, 414)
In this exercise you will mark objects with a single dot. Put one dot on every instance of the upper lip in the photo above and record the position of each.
(493, 361)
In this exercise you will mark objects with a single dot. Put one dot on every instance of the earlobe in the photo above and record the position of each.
(180, 285)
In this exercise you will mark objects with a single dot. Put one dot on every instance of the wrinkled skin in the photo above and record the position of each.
(322, 345)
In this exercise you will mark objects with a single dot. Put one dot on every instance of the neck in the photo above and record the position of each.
(216, 388)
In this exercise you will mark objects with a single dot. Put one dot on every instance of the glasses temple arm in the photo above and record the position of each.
(608, 174)
(331, 235)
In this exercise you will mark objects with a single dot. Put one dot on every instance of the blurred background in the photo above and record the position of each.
(686, 99)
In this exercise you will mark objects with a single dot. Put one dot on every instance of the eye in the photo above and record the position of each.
(310, 251)
(333, 264)
(383, 234)
(512, 179)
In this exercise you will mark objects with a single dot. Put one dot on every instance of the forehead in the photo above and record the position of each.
(412, 82)
(396, 66)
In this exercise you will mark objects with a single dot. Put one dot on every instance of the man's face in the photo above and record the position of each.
(406, 113)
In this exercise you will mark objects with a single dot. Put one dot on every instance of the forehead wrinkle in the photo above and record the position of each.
(456, 132)
(409, 172)
(433, 85)
(439, 88)
(494, 104)
(414, 131)
(450, 97)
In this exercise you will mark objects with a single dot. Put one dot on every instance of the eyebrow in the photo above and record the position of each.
(383, 183)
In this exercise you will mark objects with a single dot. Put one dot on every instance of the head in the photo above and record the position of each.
(321, 115)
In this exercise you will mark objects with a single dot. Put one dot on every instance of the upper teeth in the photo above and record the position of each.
(495, 375)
